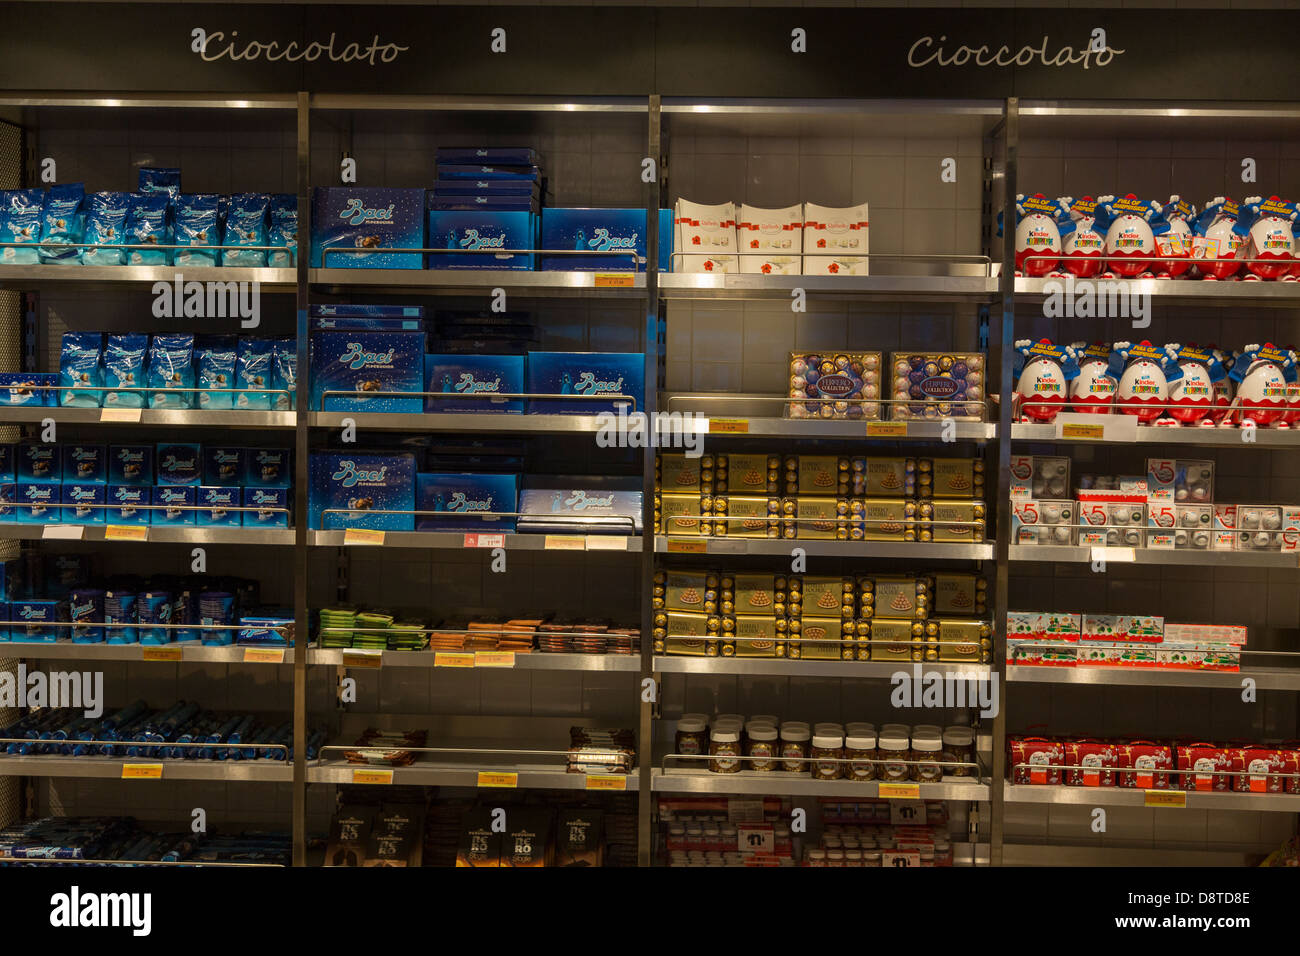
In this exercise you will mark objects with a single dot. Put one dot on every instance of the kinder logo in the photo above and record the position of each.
(580, 501)
(588, 384)
(473, 240)
(355, 213)
(469, 385)
(462, 502)
(349, 474)
(602, 241)
(356, 357)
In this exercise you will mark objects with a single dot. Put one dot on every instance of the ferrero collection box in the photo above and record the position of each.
(881, 617)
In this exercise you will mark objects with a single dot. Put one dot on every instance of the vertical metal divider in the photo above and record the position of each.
(300, 477)
(645, 732)
(1007, 297)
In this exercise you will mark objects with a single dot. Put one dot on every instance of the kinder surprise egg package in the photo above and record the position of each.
(1043, 373)
(1193, 394)
(1038, 234)
(835, 385)
(1268, 226)
(1093, 389)
(1131, 226)
(1082, 246)
(1144, 372)
(1263, 374)
(1177, 242)
(1215, 240)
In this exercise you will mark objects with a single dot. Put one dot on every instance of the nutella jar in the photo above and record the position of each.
(871, 858)
(692, 735)
(834, 857)
(827, 749)
(860, 751)
(762, 747)
(927, 745)
(853, 858)
(816, 857)
(892, 753)
(794, 747)
(724, 750)
(958, 747)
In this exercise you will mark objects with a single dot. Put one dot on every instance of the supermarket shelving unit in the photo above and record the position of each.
(988, 295)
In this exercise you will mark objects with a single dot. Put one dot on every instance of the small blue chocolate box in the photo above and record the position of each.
(603, 230)
(349, 486)
(174, 505)
(179, 464)
(83, 503)
(219, 507)
(366, 218)
(38, 461)
(123, 500)
(38, 502)
(581, 374)
(272, 505)
(28, 388)
(85, 463)
(459, 496)
(484, 238)
(268, 468)
(223, 465)
(367, 362)
(468, 376)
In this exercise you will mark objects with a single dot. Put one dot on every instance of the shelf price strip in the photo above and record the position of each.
(900, 791)
(142, 771)
(606, 781)
(453, 659)
(126, 532)
(264, 655)
(728, 426)
(1176, 799)
(681, 546)
(363, 658)
(494, 659)
(886, 429)
(614, 280)
(372, 776)
(565, 542)
(474, 540)
(362, 536)
(487, 778)
(160, 653)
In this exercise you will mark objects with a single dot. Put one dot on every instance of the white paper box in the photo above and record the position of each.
(705, 237)
(771, 265)
(835, 240)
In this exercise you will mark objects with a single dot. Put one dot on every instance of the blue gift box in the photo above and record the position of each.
(487, 202)
(83, 503)
(603, 230)
(37, 502)
(555, 506)
(356, 217)
(359, 484)
(507, 155)
(122, 500)
(520, 172)
(372, 318)
(130, 465)
(223, 465)
(178, 505)
(28, 388)
(35, 616)
(180, 464)
(491, 233)
(469, 375)
(451, 188)
(460, 496)
(217, 504)
(275, 505)
(584, 373)
(38, 461)
(85, 463)
(367, 362)
(268, 468)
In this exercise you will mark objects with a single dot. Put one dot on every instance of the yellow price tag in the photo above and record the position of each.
(126, 532)
(606, 781)
(565, 542)
(614, 280)
(264, 655)
(1077, 430)
(493, 659)
(1165, 798)
(142, 771)
(900, 791)
(446, 659)
(119, 414)
(372, 776)
(363, 658)
(886, 429)
(488, 778)
(728, 426)
(363, 536)
(687, 546)
(160, 653)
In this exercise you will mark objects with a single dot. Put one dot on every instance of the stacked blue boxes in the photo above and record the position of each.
(485, 202)
(603, 231)
(377, 349)
(569, 375)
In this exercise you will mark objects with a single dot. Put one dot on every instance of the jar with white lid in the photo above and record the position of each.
(827, 749)
(860, 751)
(853, 858)
(794, 747)
(927, 745)
(816, 857)
(958, 747)
(692, 735)
(834, 857)
(724, 750)
(892, 752)
(762, 746)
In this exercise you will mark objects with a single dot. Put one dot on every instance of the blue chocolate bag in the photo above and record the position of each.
(195, 223)
(285, 379)
(254, 373)
(245, 226)
(79, 365)
(21, 211)
(171, 366)
(148, 224)
(283, 231)
(214, 365)
(164, 181)
(62, 226)
(105, 225)
(124, 359)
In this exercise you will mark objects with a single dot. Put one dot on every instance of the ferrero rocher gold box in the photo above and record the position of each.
(889, 477)
(822, 475)
(755, 636)
(957, 477)
(976, 639)
(678, 473)
(889, 519)
(753, 474)
(902, 596)
(750, 517)
(820, 518)
(679, 514)
(820, 638)
(894, 640)
(757, 594)
(957, 520)
(685, 591)
(958, 593)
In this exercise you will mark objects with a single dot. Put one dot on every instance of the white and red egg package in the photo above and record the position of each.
(1194, 393)
(1143, 372)
(1082, 245)
(1262, 374)
(1043, 373)
(1130, 225)
(1093, 389)
(1038, 235)
(1216, 239)
(1269, 238)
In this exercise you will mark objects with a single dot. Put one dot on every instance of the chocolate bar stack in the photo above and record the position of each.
(623, 640)
(386, 747)
(517, 634)
(451, 639)
(595, 751)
